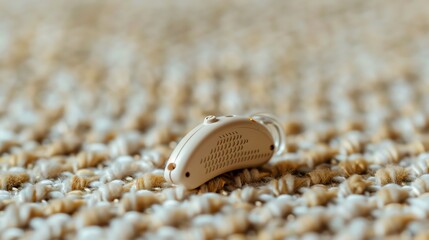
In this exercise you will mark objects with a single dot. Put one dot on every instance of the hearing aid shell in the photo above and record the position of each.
(219, 145)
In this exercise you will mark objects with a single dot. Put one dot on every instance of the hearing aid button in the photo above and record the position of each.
(210, 119)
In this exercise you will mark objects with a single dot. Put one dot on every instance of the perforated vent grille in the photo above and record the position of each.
(229, 151)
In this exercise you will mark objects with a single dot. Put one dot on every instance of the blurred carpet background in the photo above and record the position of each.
(94, 95)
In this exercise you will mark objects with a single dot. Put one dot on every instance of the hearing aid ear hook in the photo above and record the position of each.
(274, 127)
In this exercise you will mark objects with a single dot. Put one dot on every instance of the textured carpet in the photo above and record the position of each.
(94, 95)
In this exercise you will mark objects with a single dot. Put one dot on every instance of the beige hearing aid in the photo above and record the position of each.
(222, 144)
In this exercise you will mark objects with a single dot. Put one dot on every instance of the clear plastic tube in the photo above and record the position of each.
(276, 130)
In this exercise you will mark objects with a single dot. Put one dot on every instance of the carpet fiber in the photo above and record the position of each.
(94, 96)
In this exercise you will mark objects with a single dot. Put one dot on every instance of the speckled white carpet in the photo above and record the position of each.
(94, 95)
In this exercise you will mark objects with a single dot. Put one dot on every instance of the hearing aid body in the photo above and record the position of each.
(219, 145)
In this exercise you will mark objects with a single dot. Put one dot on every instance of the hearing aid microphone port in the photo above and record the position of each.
(171, 166)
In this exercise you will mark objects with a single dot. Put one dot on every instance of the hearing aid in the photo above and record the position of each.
(222, 144)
